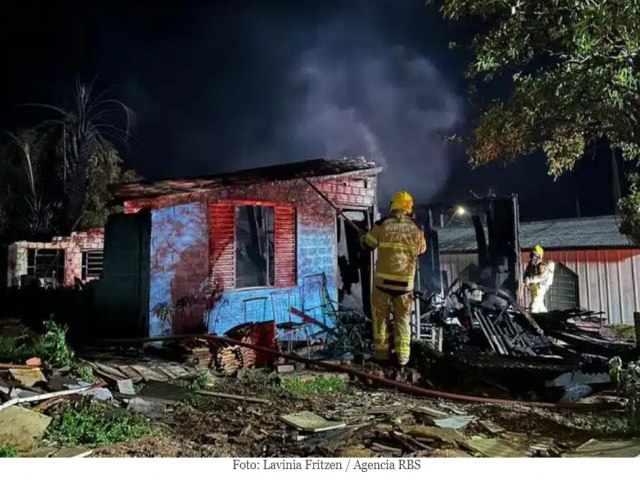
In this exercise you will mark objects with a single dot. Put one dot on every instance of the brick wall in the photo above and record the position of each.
(205, 224)
(179, 251)
(73, 247)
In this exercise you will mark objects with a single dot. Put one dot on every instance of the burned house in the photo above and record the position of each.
(58, 262)
(210, 253)
(597, 267)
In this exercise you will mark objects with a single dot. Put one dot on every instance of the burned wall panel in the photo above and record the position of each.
(305, 251)
(179, 257)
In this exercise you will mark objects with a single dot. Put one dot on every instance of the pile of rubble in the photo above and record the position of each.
(484, 339)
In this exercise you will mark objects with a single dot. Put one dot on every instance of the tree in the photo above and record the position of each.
(30, 208)
(83, 135)
(57, 173)
(574, 67)
(105, 169)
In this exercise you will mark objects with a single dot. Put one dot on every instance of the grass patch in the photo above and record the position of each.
(91, 423)
(15, 350)
(197, 401)
(314, 386)
(7, 451)
(51, 347)
(624, 332)
(203, 381)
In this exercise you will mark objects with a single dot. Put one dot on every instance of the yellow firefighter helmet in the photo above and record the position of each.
(402, 201)
(537, 250)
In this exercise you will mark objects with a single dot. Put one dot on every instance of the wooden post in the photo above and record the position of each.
(636, 323)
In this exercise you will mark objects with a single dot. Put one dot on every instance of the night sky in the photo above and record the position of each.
(219, 86)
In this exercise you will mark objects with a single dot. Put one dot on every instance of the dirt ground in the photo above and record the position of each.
(377, 421)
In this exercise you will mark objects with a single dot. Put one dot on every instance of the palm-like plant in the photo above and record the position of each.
(82, 133)
(34, 213)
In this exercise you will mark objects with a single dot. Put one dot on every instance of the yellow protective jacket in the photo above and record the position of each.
(399, 241)
(535, 274)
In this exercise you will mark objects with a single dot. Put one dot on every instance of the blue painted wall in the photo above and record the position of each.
(179, 264)
(316, 255)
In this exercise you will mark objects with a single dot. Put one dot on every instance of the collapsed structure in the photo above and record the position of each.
(476, 334)
(59, 262)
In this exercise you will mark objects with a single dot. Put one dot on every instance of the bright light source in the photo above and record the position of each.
(460, 210)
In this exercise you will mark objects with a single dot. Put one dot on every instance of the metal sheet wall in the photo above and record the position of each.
(608, 279)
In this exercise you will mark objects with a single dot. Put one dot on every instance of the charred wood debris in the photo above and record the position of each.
(480, 338)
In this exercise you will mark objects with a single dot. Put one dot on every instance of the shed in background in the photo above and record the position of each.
(597, 267)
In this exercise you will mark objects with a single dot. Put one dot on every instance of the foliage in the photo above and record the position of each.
(624, 331)
(198, 401)
(58, 172)
(30, 208)
(630, 210)
(105, 169)
(315, 386)
(52, 346)
(575, 71)
(7, 451)
(14, 350)
(95, 423)
(627, 380)
(202, 381)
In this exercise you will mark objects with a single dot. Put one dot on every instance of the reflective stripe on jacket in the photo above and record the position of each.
(399, 241)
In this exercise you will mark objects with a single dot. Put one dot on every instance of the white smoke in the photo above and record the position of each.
(387, 104)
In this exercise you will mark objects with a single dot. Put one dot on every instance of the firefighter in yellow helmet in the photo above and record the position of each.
(399, 241)
(536, 277)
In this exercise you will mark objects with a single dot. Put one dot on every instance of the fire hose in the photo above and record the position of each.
(401, 386)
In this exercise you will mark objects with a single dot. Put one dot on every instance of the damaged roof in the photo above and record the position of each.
(280, 172)
(566, 233)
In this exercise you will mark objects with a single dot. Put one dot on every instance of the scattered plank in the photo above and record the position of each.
(607, 449)
(310, 422)
(72, 452)
(22, 427)
(130, 373)
(111, 371)
(125, 387)
(385, 448)
(7, 366)
(491, 427)
(233, 397)
(149, 374)
(28, 377)
(45, 396)
(456, 422)
(445, 435)
(494, 448)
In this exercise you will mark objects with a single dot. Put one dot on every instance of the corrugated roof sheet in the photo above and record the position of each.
(567, 233)
(281, 172)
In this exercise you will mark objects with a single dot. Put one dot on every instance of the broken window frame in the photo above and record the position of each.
(53, 261)
(261, 214)
(90, 270)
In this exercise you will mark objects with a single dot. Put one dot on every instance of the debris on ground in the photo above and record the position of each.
(27, 377)
(149, 407)
(310, 422)
(607, 448)
(21, 427)
(494, 447)
(146, 405)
